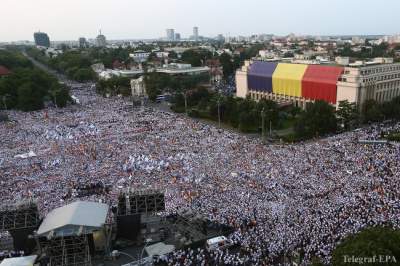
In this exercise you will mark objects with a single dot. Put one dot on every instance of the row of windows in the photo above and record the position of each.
(298, 103)
(387, 95)
(389, 85)
(381, 69)
(380, 78)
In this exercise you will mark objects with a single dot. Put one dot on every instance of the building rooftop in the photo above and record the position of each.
(4, 71)
(357, 64)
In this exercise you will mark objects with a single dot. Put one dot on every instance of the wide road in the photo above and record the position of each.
(38, 64)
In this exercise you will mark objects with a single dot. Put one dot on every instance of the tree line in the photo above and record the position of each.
(28, 88)
(318, 119)
(367, 51)
(114, 86)
(74, 64)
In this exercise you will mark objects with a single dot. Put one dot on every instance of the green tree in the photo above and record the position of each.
(29, 98)
(371, 111)
(319, 119)
(271, 111)
(152, 56)
(26, 89)
(156, 83)
(114, 86)
(247, 120)
(172, 55)
(231, 111)
(369, 243)
(227, 64)
(391, 109)
(192, 57)
(288, 54)
(247, 111)
(253, 50)
(61, 96)
(347, 114)
(83, 74)
(195, 96)
(13, 59)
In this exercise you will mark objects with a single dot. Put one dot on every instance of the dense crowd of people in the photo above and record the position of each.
(226, 87)
(280, 199)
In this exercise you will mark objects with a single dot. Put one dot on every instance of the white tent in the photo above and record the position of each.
(19, 261)
(74, 219)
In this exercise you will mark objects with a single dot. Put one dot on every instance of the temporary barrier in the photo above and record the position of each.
(319, 83)
(260, 76)
(287, 79)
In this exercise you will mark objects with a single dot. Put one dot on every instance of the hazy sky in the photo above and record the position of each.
(123, 19)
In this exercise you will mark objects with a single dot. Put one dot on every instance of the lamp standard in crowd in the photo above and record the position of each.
(142, 103)
(219, 111)
(263, 123)
(185, 97)
(4, 100)
(54, 94)
(270, 127)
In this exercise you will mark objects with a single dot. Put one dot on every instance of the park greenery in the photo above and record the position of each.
(367, 51)
(190, 95)
(114, 86)
(160, 83)
(196, 57)
(394, 136)
(28, 88)
(373, 111)
(74, 64)
(318, 119)
(247, 115)
(370, 243)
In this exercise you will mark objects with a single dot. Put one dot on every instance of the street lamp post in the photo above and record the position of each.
(219, 112)
(142, 103)
(263, 123)
(55, 99)
(185, 97)
(4, 100)
(270, 127)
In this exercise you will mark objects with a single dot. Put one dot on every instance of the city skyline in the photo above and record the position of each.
(123, 19)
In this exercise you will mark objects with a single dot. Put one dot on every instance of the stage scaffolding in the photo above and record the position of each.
(68, 250)
(19, 216)
(141, 202)
(190, 225)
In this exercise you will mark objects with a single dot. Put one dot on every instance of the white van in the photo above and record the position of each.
(220, 242)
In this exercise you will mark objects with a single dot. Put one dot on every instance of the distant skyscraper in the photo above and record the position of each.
(82, 42)
(195, 33)
(170, 34)
(177, 36)
(220, 38)
(41, 39)
(101, 40)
